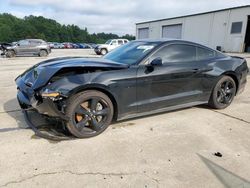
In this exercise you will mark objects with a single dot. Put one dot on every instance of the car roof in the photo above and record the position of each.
(161, 40)
(118, 39)
(39, 40)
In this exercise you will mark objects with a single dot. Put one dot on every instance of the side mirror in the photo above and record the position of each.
(18, 44)
(156, 62)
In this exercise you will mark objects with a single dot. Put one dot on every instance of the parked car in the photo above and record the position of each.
(67, 45)
(83, 45)
(86, 46)
(74, 45)
(103, 49)
(140, 78)
(93, 45)
(58, 45)
(51, 45)
(29, 47)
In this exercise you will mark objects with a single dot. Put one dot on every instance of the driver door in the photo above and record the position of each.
(113, 44)
(23, 47)
(175, 82)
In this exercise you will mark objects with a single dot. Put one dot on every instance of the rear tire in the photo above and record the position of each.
(223, 93)
(43, 53)
(90, 113)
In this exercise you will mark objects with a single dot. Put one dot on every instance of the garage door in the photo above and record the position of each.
(172, 31)
(143, 33)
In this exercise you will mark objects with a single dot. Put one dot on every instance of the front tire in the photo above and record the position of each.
(90, 113)
(104, 51)
(223, 93)
(10, 53)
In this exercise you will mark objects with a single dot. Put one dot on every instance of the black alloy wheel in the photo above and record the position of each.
(223, 93)
(90, 113)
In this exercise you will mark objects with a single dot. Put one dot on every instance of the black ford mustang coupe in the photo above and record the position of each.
(140, 78)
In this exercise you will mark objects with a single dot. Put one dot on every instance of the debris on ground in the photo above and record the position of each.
(218, 154)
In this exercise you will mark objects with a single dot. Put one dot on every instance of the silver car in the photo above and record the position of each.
(29, 47)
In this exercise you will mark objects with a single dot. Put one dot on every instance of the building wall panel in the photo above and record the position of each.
(211, 29)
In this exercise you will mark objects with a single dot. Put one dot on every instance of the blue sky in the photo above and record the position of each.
(116, 16)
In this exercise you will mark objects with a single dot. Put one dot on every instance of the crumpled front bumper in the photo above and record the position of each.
(27, 99)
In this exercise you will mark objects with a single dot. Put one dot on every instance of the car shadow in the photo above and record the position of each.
(12, 109)
(55, 127)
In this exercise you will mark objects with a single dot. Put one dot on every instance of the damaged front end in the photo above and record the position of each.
(46, 86)
(43, 100)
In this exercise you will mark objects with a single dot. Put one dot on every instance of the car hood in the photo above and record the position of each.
(39, 75)
(80, 62)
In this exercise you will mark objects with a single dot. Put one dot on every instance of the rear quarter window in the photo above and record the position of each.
(205, 54)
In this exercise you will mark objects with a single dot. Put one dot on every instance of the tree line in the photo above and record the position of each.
(14, 29)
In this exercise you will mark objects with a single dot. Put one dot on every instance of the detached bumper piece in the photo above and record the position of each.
(54, 130)
(35, 111)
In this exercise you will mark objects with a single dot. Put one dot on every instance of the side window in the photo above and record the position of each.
(125, 41)
(34, 43)
(120, 42)
(23, 43)
(114, 42)
(203, 54)
(177, 53)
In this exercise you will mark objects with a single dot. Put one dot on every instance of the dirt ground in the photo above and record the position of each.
(174, 149)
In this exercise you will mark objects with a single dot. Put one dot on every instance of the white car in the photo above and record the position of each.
(111, 44)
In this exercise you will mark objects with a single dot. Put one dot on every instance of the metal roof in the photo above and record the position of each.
(245, 6)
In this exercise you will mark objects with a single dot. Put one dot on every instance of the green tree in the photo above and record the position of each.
(5, 33)
(14, 29)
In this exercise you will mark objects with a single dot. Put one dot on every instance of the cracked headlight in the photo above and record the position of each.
(50, 94)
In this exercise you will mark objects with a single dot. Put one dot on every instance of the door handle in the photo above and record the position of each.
(207, 69)
(195, 70)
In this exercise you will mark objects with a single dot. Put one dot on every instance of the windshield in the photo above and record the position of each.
(131, 52)
(108, 42)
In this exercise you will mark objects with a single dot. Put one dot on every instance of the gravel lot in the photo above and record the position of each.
(174, 149)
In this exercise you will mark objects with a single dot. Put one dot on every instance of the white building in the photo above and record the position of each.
(228, 29)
